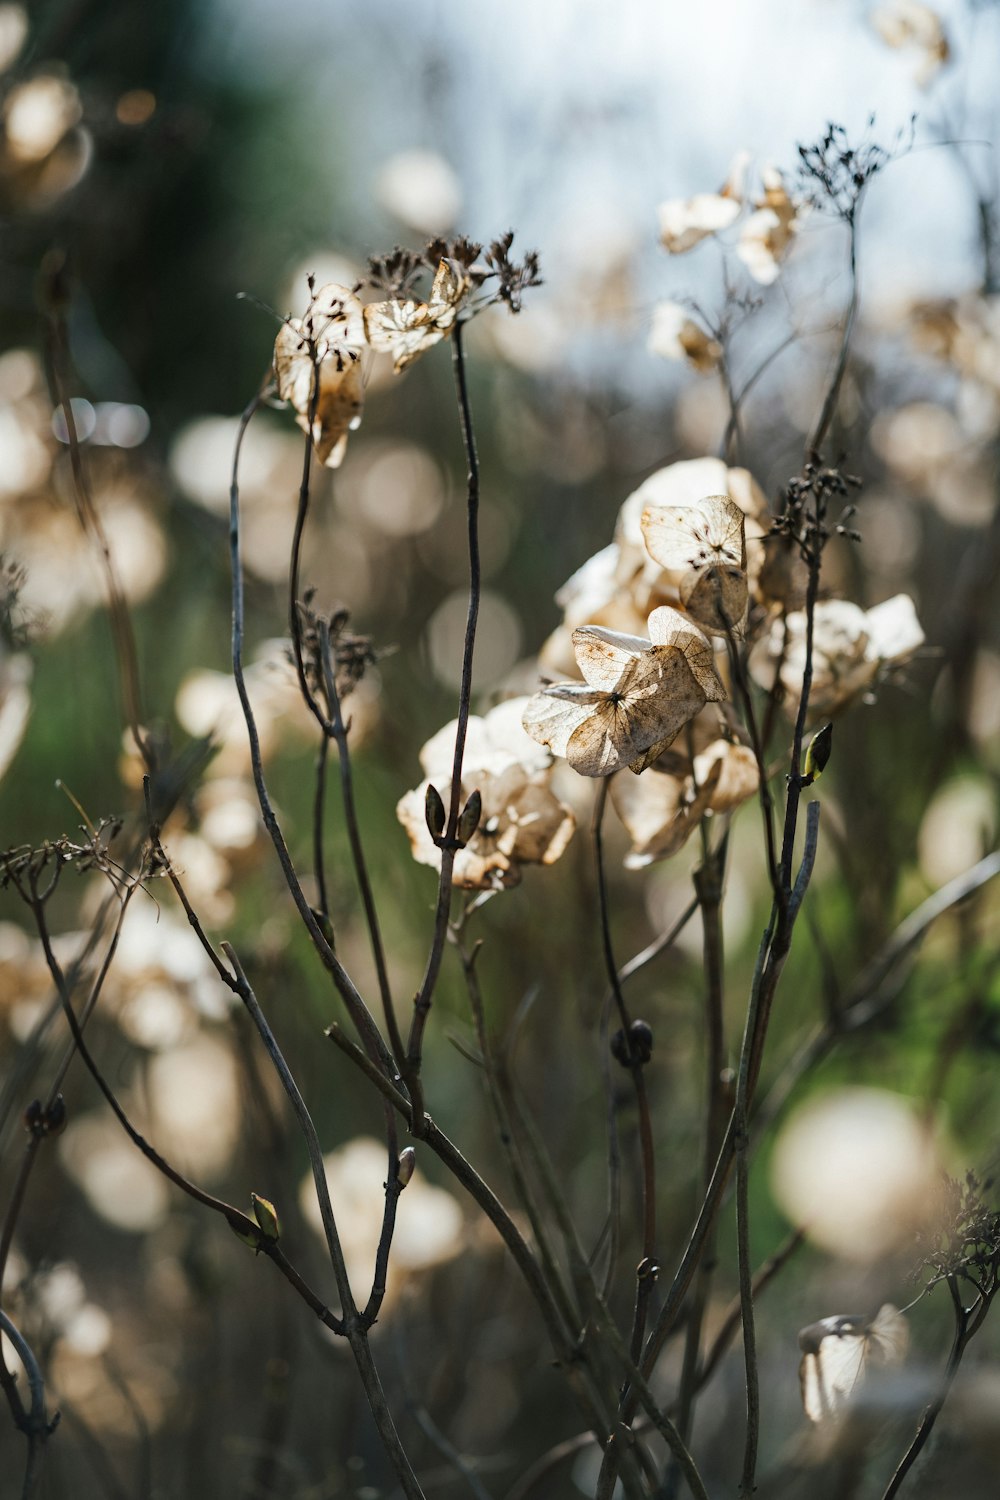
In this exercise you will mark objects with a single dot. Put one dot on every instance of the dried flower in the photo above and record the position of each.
(637, 695)
(317, 365)
(406, 329)
(662, 809)
(851, 650)
(705, 546)
(838, 1352)
(675, 335)
(685, 222)
(520, 820)
(768, 232)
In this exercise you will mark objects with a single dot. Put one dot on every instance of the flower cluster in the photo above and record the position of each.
(318, 366)
(522, 820)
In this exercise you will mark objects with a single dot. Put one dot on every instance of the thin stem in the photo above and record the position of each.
(339, 731)
(356, 1007)
(932, 1411)
(319, 803)
(35, 1423)
(449, 845)
(833, 390)
(647, 1268)
(748, 1474)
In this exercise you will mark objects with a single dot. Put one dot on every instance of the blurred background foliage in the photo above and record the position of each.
(174, 157)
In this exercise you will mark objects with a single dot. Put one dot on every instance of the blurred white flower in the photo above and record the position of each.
(430, 1227)
(859, 1171)
(675, 335)
(910, 24)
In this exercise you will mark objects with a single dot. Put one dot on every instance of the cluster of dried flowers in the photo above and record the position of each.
(318, 358)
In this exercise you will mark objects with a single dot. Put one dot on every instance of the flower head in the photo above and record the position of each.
(636, 697)
(522, 821)
(317, 366)
(706, 545)
(406, 329)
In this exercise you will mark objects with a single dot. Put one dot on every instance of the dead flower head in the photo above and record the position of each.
(317, 366)
(406, 329)
(908, 25)
(705, 544)
(636, 697)
(852, 648)
(662, 809)
(522, 821)
(767, 234)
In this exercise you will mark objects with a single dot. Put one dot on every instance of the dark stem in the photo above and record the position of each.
(833, 390)
(932, 1411)
(339, 731)
(449, 846)
(356, 1007)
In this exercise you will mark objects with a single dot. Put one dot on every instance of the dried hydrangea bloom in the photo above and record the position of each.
(636, 696)
(911, 25)
(662, 809)
(406, 329)
(705, 545)
(851, 648)
(679, 484)
(317, 366)
(685, 222)
(768, 232)
(675, 335)
(838, 1352)
(522, 821)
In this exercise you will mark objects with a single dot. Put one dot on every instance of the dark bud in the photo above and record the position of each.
(434, 812)
(33, 1118)
(55, 1116)
(635, 1050)
(641, 1034)
(469, 821)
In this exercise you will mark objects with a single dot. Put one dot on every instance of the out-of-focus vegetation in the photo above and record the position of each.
(147, 177)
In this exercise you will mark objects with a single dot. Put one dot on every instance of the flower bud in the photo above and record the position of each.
(817, 755)
(407, 1162)
(267, 1217)
(434, 812)
(471, 814)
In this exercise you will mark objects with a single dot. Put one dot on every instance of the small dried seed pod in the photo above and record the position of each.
(635, 1050)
